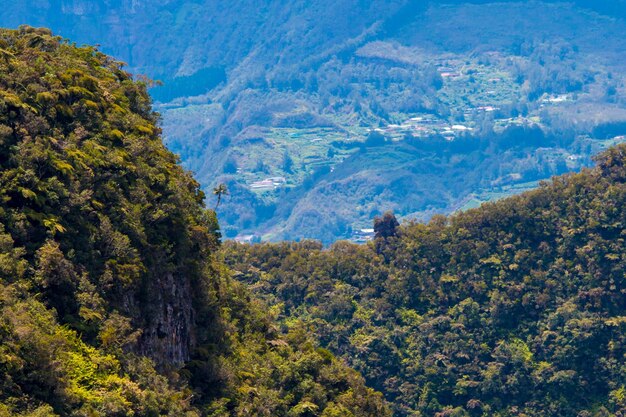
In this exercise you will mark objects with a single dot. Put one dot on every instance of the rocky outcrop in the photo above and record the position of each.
(168, 320)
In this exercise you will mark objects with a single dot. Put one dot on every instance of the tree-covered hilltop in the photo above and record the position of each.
(111, 300)
(517, 308)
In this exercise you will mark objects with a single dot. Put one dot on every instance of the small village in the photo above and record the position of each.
(418, 125)
(362, 235)
(423, 126)
(270, 183)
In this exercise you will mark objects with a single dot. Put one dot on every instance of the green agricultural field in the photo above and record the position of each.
(475, 85)
(475, 200)
(308, 149)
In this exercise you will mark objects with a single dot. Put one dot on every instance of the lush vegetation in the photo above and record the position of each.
(117, 297)
(515, 308)
(111, 300)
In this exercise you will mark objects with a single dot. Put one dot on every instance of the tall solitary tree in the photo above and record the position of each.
(386, 226)
(220, 191)
(385, 229)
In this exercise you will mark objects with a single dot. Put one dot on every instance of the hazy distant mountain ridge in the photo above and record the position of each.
(173, 38)
(291, 91)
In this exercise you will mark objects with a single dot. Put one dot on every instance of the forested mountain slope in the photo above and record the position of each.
(111, 300)
(309, 110)
(516, 308)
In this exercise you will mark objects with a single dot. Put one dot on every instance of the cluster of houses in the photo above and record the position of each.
(423, 126)
(555, 99)
(248, 239)
(448, 72)
(270, 183)
(362, 235)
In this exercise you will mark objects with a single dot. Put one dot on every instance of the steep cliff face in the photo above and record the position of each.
(169, 327)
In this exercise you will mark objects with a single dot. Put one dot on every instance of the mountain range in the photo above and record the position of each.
(321, 115)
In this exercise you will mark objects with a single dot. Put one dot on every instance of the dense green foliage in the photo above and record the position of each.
(516, 308)
(111, 300)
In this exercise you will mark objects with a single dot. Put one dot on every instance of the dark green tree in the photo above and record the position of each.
(287, 163)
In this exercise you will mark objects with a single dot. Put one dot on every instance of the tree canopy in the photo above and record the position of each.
(112, 301)
(512, 309)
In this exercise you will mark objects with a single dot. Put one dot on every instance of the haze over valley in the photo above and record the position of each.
(320, 116)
